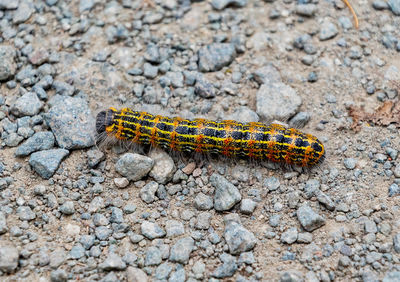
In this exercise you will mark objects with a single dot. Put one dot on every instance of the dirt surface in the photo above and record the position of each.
(86, 217)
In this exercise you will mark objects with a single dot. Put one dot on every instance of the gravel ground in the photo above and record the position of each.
(69, 211)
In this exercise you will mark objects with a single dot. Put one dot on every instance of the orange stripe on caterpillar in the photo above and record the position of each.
(230, 138)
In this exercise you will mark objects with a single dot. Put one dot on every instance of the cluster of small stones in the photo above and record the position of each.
(69, 211)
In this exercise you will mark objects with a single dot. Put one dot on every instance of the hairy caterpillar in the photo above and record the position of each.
(229, 138)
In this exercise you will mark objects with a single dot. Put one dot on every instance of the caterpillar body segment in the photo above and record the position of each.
(227, 138)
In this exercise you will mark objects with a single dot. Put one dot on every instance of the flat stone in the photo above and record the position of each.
(394, 6)
(328, 31)
(8, 257)
(238, 238)
(174, 228)
(134, 166)
(23, 12)
(309, 219)
(151, 230)
(164, 167)
(134, 274)
(8, 5)
(226, 194)
(39, 141)
(45, 163)
(148, 192)
(72, 123)
(228, 268)
(215, 56)
(27, 105)
(113, 262)
(222, 4)
(8, 66)
(277, 101)
(180, 251)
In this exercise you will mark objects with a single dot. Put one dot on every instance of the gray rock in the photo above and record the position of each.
(8, 5)
(178, 275)
(39, 56)
(291, 276)
(151, 230)
(13, 139)
(113, 262)
(226, 194)
(267, 75)
(309, 219)
(228, 267)
(215, 56)
(328, 31)
(394, 6)
(150, 71)
(180, 251)
(277, 101)
(394, 190)
(350, 163)
(45, 163)
(7, 56)
(163, 271)
(8, 258)
(27, 105)
(238, 238)
(87, 241)
(77, 251)
(311, 188)
(95, 156)
(25, 213)
(289, 236)
(152, 54)
(300, 119)
(134, 274)
(174, 228)
(380, 5)
(62, 88)
(325, 200)
(305, 238)
(272, 183)
(23, 12)
(3, 223)
(134, 166)
(222, 4)
(39, 141)
(176, 78)
(204, 89)
(164, 168)
(148, 192)
(247, 206)
(58, 275)
(102, 233)
(57, 257)
(72, 123)
(393, 276)
(203, 220)
(67, 208)
(152, 256)
(307, 10)
(244, 114)
(86, 5)
(396, 242)
(203, 202)
(116, 215)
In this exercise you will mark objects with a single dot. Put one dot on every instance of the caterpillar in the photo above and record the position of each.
(228, 138)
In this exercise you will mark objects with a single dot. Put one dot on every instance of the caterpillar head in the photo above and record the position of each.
(104, 120)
